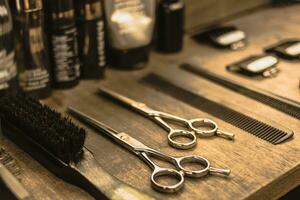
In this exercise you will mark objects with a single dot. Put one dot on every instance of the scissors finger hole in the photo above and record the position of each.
(194, 166)
(167, 180)
(182, 139)
(204, 126)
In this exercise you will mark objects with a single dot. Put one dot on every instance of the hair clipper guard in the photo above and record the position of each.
(258, 65)
(286, 49)
(224, 37)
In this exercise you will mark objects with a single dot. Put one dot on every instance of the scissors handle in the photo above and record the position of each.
(224, 134)
(206, 128)
(159, 173)
(203, 164)
(167, 173)
(224, 172)
(190, 137)
(175, 134)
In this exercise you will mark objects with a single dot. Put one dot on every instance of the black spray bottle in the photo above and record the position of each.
(91, 41)
(30, 45)
(8, 68)
(170, 26)
(62, 36)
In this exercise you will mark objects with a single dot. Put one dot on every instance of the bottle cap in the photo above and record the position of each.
(27, 5)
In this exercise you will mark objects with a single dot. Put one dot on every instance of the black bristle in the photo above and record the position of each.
(44, 125)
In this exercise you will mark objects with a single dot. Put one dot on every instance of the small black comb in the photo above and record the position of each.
(269, 133)
(287, 106)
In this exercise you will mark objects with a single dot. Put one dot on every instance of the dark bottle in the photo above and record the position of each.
(170, 26)
(30, 44)
(8, 68)
(91, 41)
(130, 26)
(62, 36)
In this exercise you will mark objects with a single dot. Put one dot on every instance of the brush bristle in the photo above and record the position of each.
(45, 126)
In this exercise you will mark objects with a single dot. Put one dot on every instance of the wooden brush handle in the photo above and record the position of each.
(13, 184)
(106, 184)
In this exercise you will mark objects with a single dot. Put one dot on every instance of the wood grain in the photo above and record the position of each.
(203, 13)
(259, 170)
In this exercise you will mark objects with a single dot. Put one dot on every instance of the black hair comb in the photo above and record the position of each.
(272, 133)
(282, 104)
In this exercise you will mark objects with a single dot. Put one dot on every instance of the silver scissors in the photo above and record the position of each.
(145, 153)
(209, 127)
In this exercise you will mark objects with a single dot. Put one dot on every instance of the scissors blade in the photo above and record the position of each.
(120, 137)
(138, 106)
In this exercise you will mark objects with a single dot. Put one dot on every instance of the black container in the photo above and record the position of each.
(130, 27)
(91, 41)
(30, 44)
(8, 68)
(62, 36)
(170, 26)
(136, 58)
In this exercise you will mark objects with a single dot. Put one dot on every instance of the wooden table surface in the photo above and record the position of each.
(259, 170)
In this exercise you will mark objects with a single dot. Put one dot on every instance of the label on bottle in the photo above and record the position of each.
(8, 69)
(101, 43)
(65, 53)
(6, 25)
(34, 79)
(34, 75)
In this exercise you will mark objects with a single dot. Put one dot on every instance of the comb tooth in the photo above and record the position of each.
(255, 128)
(259, 130)
(275, 136)
(249, 127)
(266, 131)
(263, 129)
(275, 133)
(285, 137)
(274, 141)
(267, 134)
(238, 120)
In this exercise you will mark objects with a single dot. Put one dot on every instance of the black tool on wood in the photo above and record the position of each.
(271, 132)
(282, 104)
(287, 49)
(58, 144)
(9, 172)
(223, 37)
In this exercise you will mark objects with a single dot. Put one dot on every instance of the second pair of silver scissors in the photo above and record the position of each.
(145, 153)
(197, 127)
